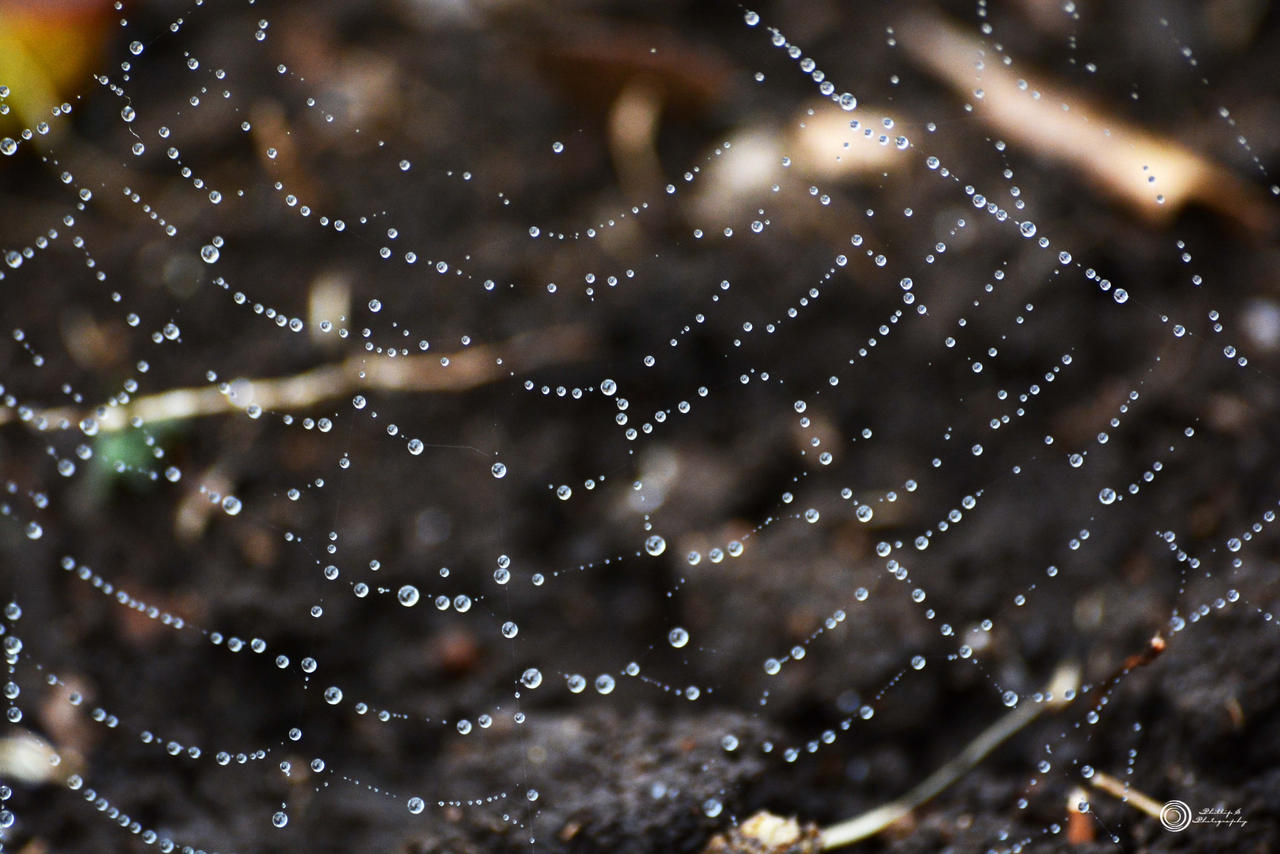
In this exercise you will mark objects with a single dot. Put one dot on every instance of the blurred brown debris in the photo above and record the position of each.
(766, 833)
(1155, 176)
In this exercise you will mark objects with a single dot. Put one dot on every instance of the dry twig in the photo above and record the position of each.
(1126, 793)
(466, 370)
(1064, 680)
(1128, 162)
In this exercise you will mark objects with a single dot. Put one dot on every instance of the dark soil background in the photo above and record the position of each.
(474, 95)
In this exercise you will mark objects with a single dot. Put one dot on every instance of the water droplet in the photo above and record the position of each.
(677, 637)
(209, 253)
(655, 545)
(499, 470)
(416, 805)
(231, 505)
(408, 595)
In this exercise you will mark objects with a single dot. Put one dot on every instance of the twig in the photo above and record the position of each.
(466, 369)
(1064, 680)
(1119, 156)
(1126, 793)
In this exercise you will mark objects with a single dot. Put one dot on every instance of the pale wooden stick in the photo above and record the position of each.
(1065, 679)
(1128, 794)
(467, 369)
(1055, 122)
